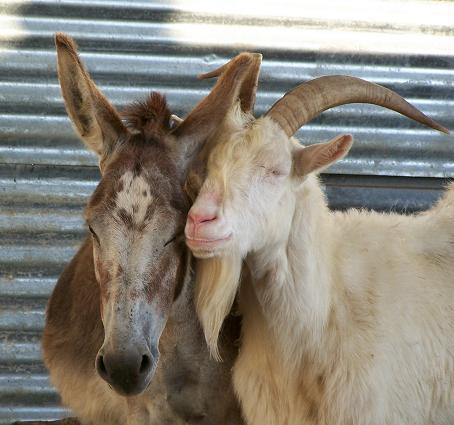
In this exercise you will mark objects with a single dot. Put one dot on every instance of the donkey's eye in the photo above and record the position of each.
(93, 233)
(175, 237)
(171, 240)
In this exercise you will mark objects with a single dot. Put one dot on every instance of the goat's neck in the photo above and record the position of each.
(292, 277)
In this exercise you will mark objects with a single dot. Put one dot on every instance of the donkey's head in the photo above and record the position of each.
(137, 213)
(247, 200)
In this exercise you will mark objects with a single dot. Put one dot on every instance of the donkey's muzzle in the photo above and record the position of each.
(128, 371)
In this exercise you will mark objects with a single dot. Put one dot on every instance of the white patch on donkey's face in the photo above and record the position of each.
(133, 236)
(135, 197)
(123, 238)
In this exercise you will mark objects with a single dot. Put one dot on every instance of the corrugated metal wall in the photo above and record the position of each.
(134, 46)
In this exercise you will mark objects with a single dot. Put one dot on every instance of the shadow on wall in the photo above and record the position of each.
(133, 47)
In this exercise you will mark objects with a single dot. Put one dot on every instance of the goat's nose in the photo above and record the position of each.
(128, 372)
(201, 218)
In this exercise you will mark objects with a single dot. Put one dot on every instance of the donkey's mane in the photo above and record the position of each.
(150, 116)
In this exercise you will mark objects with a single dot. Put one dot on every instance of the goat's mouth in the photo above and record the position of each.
(206, 248)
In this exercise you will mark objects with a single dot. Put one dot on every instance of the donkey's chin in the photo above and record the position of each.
(128, 389)
(207, 248)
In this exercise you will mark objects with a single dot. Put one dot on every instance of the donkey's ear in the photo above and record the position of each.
(207, 116)
(315, 158)
(94, 118)
(248, 89)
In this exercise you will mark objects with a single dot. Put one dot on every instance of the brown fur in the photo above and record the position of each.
(211, 111)
(83, 331)
(188, 386)
(74, 330)
(150, 117)
(82, 90)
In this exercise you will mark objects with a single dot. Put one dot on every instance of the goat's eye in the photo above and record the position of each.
(276, 172)
(93, 233)
(271, 171)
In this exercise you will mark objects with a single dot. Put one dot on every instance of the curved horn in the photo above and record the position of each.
(248, 88)
(310, 99)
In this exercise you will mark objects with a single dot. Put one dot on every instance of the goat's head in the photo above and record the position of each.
(248, 196)
(138, 210)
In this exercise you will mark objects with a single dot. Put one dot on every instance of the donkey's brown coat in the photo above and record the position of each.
(144, 162)
(138, 203)
(188, 386)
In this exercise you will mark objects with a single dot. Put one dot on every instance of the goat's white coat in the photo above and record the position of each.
(348, 318)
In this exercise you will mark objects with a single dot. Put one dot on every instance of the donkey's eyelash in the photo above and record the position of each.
(177, 235)
(170, 241)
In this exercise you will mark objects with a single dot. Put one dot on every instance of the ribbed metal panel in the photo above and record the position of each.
(132, 47)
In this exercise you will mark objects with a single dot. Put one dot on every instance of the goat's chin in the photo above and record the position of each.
(208, 253)
(217, 281)
(219, 249)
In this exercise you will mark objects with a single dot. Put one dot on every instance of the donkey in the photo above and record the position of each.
(122, 341)
(348, 317)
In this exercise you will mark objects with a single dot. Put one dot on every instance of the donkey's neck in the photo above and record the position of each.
(292, 278)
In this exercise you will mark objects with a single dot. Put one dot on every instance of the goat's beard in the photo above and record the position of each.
(217, 281)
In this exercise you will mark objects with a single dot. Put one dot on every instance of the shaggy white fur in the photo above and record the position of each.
(348, 317)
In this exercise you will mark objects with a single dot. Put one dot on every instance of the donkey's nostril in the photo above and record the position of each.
(101, 366)
(128, 371)
(145, 364)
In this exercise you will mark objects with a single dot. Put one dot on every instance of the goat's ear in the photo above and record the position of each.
(93, 117)
(315, 158)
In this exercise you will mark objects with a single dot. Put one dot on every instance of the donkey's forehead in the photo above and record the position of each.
(129, 190)
(138, 174)
(133, 196)
(145, 195)
(132, 183)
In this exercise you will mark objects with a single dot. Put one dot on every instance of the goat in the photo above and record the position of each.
(348, 317)
(122, 313)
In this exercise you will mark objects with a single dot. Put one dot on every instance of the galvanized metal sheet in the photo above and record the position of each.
(133, 47)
